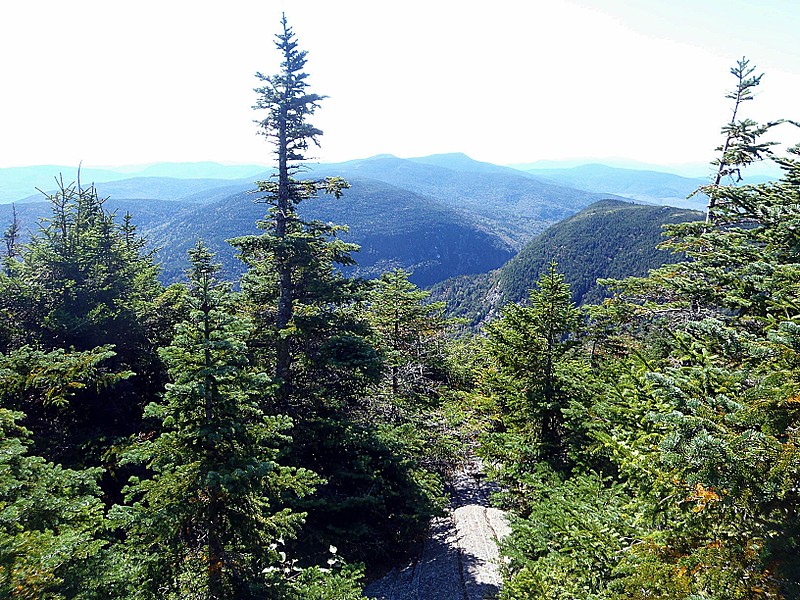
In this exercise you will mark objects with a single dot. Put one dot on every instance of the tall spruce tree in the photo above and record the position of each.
(290, 243)
(741, 146)
(702, 423)
(312, 336)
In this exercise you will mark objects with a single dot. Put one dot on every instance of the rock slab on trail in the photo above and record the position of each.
(460, 558)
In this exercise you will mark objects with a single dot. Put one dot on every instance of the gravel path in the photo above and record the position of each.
(460, 558)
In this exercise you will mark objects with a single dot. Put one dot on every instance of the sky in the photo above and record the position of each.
(508, 81)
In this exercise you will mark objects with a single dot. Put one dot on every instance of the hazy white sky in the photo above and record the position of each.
(506, 81)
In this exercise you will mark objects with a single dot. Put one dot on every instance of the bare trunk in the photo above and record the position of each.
(284, 308)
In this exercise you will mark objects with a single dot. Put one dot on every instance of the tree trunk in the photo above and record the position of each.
(284, 308)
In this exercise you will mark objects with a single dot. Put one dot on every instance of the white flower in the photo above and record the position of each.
(333, 549)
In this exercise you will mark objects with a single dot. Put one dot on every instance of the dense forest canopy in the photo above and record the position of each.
(289, 434)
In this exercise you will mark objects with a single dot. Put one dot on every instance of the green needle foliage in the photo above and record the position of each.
(216, 499)
(410, 335)
(50, 519)
(292, 254)
(681, 406)
(85, 284)
(530, 347)
(311, 335)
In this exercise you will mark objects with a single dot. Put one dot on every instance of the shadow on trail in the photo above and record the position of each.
(459, 559)
(442, 572)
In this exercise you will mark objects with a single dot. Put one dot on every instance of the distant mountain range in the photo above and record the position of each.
(439, 216)
(435, 216)
(510, 203)
(21, 183)
(642, 185)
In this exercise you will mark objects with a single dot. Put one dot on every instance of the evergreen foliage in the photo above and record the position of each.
(646, 447)
(84, 284)
(686, 471)
(216, 499)
(50, 519)
(290, 244)
(312, 336)
(530, 348)
(409, 334)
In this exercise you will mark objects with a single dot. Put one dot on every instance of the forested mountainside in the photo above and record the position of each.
(394, 228)
(505, 201)
(609, 239)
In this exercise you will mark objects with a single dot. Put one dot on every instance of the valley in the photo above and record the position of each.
(431, 377)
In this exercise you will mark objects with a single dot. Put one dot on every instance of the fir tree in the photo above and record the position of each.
(82, 283)
(50, 520)
(290, 244)
(741, 146)
(409, 333)
(217, 500)
(311, 335)
(529, 345)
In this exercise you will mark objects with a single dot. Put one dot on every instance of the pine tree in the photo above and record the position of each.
(50, 520)
(705, 433)
(741, 146)
(411, 335)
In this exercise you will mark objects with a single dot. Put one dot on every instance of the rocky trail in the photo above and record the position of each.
(460, 558)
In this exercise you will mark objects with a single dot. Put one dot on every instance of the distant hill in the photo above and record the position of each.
(505, 201)
(18, 183)
(643, 185)
(458, 161)
(608, 239)
(170, 188)
(394, 227)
